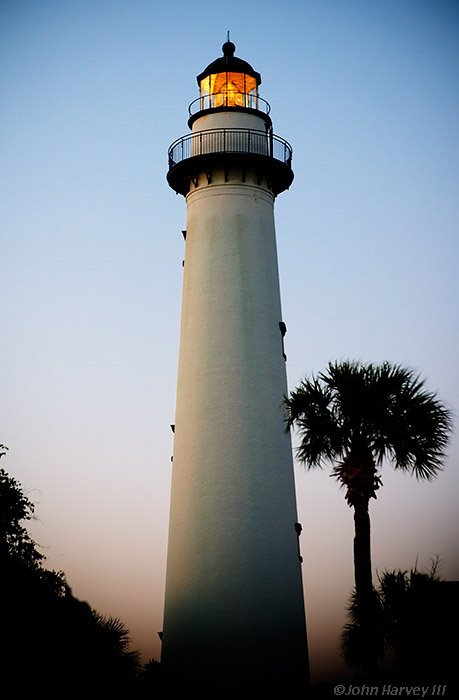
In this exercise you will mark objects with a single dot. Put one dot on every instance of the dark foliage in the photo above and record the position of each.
(416, 622)
(53, 642)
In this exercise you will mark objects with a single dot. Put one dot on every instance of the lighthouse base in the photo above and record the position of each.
(239, 682)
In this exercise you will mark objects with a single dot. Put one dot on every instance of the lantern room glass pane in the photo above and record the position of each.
(228, 90)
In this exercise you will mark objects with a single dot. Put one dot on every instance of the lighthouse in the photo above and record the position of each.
(234, 609)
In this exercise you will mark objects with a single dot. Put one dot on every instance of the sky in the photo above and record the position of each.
(92, 95)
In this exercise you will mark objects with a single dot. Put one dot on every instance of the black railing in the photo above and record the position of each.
(246, 100)
(213, 141)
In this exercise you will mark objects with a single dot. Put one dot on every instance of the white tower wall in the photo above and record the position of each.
(243, 133)
(219, 120)
(234, 600)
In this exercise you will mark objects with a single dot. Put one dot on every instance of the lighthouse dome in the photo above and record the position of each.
(229, 63)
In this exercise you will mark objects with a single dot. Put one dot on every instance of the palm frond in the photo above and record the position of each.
(115, 631)
(310, 409)
(381, 410)
(416, 427)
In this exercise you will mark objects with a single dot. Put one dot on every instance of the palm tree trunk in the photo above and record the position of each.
(365, 594)
(362, 547)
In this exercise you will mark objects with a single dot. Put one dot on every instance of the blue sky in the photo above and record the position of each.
(93, 93)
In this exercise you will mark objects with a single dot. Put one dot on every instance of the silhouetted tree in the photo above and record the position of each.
(151, 678)
(355, 416)
(417, 620)
(15, 507)
(51, 637)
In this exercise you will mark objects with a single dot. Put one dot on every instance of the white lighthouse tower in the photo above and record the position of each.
(234, 610)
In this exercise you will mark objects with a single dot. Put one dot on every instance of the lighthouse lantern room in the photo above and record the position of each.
(228, 82)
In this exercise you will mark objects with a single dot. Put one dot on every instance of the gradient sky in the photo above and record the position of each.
(92, 94)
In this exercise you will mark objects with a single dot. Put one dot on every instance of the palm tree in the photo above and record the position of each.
(416, 611)
(355, 416)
